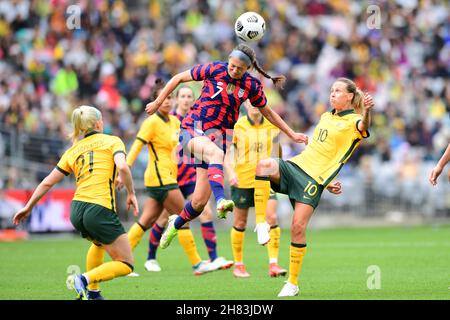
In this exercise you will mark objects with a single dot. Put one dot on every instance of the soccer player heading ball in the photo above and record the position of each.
(204, 129)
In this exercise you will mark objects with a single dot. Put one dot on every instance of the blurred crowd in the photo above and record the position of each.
(52, 60)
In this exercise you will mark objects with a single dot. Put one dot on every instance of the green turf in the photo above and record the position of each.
(414, 264)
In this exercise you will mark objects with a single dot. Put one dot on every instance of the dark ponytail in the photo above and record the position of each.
(278, 81)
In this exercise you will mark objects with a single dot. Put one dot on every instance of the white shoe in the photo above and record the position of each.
(152, 265)
(203, 267)
(133, 274)
(263, 232)
(289, 290)
(221, 263)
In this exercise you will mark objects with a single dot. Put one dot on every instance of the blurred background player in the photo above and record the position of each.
(160, 133)
(253, 140)
(437, 170)
(204, 129)
(93, 160)
(186, 183)
(304, 177)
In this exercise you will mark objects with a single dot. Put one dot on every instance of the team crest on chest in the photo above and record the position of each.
(230, 88)
(241, 92)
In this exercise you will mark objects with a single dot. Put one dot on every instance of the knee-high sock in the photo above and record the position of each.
(188, 214)
(297, 252)
(135, 234)
(94, 258)
(209, 237)
(237, 244)
(107, 271)
(187, 241)
(215, 177)
(261, 197)
(153, 240)
(274, 243)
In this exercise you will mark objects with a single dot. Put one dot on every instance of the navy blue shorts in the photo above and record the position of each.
(187, 189)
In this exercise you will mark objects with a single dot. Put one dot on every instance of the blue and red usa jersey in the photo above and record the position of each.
(186, 170)
(221, 97)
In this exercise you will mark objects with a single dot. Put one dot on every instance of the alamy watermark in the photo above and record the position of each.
(374, 279)
(72, 270)
(73, 20)
(374, 19)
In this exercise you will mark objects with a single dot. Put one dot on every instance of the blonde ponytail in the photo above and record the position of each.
(84, 119)
(358, 101)
(358, 95)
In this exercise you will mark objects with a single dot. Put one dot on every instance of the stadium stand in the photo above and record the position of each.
(112, 60)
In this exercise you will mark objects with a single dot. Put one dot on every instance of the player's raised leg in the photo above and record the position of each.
(208, 152)
(191, 210)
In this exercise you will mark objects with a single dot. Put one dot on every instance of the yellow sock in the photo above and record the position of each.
(274, 243)
(108, 271)
(237, 244)
(261, 196)
(187, 241)
(296, 252)
(135, 235)
(95, 258)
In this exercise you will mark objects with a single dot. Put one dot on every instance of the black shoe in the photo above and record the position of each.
(95, 295)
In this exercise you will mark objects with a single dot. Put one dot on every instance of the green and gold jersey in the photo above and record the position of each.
(335, 138)
(252, 142)
(161, 135)
(91, 160)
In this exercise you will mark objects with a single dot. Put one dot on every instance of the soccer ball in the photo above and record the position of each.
(250, 26)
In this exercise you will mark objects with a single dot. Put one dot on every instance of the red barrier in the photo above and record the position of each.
(52, 212)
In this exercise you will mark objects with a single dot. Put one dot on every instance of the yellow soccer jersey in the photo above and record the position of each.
(252, 143)
(161, 135)
(335, 138)
(91, 160)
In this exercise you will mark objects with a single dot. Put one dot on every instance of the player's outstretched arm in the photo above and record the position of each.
(276, 120)
(125, 174)
(181, 77)
(53, 178)
(436, 172)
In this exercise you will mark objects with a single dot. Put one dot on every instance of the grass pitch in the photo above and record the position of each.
(413, 263)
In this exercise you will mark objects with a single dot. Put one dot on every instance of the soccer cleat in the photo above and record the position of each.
(222, 263)
(224, 207)
(263, 232)
(152, 265)
(74, 282)
(203, 267)
(289, 290)
(169, 233)
(275, 270)
(240, 272)
(95, 295)
(133, 275)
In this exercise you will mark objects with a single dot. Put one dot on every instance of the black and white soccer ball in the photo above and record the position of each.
(250, 26)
